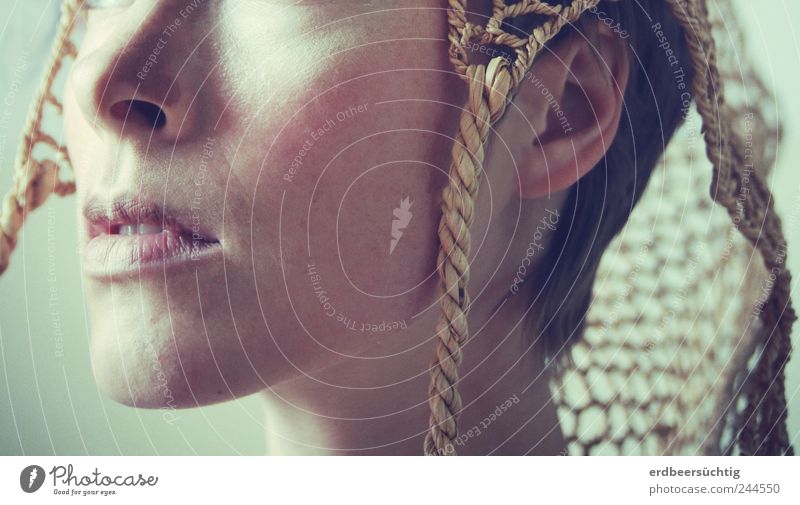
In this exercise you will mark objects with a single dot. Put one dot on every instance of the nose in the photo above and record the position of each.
(134, 79)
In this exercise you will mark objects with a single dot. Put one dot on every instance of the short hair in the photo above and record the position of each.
(599, 204)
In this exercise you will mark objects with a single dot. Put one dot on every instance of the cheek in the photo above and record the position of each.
(347, 170)
(353, 213)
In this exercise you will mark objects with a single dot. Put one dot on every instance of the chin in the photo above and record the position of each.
(147, 367)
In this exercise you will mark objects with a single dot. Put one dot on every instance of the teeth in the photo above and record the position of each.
(139, 229)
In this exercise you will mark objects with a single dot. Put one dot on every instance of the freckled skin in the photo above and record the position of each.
(312, 122)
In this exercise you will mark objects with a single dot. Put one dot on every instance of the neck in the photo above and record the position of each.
(379, 406)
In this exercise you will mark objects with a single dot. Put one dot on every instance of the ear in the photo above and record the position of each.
(572, 101)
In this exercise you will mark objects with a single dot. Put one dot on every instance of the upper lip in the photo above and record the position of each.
(105, 217)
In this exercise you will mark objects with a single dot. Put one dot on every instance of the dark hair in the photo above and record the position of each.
(599, 204)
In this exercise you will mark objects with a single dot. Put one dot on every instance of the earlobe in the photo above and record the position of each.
(574, 99)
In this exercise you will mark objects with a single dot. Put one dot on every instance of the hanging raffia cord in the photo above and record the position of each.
(761, 428)
(490, 90)
(35, 180)
(491, 87)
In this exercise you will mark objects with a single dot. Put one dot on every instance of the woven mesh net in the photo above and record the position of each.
(637, 413)
(656, 369)
(661, 367)
(720, 387)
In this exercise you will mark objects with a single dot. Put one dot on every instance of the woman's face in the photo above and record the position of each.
(258, 186)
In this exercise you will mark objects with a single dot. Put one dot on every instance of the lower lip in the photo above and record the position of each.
(118, 256)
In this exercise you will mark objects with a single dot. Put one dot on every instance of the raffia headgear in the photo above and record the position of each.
(491, 87)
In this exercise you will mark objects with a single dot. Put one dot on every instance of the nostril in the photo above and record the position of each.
(139, 113)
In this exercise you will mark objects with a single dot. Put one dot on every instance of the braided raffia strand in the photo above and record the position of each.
(763, 423)
(35, 180)
(490, 90)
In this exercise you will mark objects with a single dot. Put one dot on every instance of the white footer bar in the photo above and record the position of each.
(386, 480)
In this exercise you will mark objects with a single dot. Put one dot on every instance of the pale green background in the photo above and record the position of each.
(50, 404)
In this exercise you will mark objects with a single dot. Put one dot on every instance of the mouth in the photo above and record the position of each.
(130, 237)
